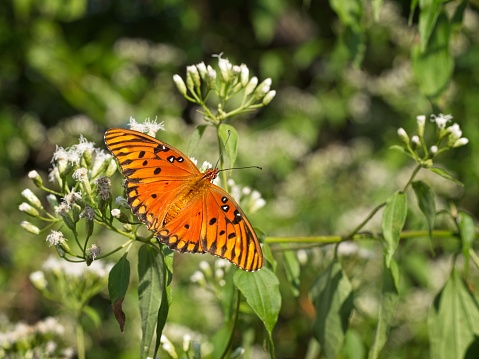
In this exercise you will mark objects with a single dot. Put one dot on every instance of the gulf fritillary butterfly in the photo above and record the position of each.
(181, 205)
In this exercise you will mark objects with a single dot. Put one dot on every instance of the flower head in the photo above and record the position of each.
(55, 238)
(441, 120)
(148, 126)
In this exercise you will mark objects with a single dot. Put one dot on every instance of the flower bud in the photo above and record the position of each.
(28, 209)
(433, 150)
(263, 88)
(35, 177)
(225, 69)
(269, 97)
(415, 142)
(111, 169)
(53, 201)
(195, 76)
(30, 197)
(244, 76)
(211, 78)
(38, 280)
(180, 84)
(202, 70)
(30, 227)
(251, 86)
(460, 142)
(403, 135)
(421, 122)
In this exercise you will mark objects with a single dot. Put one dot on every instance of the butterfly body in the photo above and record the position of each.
(181, 205)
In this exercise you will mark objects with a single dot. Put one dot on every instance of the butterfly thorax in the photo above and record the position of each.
(196, 187)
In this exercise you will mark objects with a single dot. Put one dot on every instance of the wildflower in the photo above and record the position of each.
(193, 77)
(415, 141)
(433, 150)
(206, 268)
(54, 175)
(62, 209)
(441, 120)
(168, 347)
(256, 201)
(198, 277)
(88, 213)
(101, 161)
(149, 127)
(53, 201)
(116, 213)
(94, 251)
(211, 78)
(35, 177)
(103, 187)
(72, 197)
(454, 132)
(28, 209)
(186, 342)
(205, 166)
(121, 201)
(80, 174)
(55, 238)
(30, 227)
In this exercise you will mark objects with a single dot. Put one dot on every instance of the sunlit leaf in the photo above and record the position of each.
(443, 173)
(453, 320)
(394, 217)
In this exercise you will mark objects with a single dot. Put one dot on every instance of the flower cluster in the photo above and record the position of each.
(43, 339)
(81, 173)
(229, 81)
(212, 278)
(447, 137)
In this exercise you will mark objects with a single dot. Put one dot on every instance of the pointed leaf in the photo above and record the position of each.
(443, 173)
(151, 274)
(430, 11)
(229, 137)
(389, 301)
(394, 217)
(426, 202)
(196, 138)
(453, 320)
(118, 281)
(292, 268)
(332, 296)
(261, 290)
(433, 65)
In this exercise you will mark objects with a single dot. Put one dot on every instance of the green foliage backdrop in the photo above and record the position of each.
(347, 74)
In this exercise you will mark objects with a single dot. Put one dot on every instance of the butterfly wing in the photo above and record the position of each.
(155, 172)
(215, 223)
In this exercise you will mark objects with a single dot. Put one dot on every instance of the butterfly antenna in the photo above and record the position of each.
(222, 149)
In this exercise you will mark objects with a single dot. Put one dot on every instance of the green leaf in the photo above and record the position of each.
(332, 296)
(457, 18)
(151, 288)
(443, 173)
(389, 301)
(229, 137)
(412, 8)
(118, 281)
(292, 268)
(350, 14)
(196, 138)
(394, 217)
(453, 320)
(261, 290)
(430, 11)
(434, 65)
(268, 255)
(467, 231)
(426, 202)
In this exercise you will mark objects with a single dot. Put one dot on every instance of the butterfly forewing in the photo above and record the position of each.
(179, 204)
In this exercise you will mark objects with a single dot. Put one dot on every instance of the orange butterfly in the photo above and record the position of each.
(181, 205)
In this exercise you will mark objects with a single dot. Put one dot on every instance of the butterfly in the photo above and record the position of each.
(180, 204)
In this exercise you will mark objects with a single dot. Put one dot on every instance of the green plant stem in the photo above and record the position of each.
(366, 220)
(414, 173)
(80, 339)
(357, 236)
(474, 257)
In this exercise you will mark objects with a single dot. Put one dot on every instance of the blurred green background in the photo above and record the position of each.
(78, 67)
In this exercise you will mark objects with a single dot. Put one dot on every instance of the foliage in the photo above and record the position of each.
(401, 266)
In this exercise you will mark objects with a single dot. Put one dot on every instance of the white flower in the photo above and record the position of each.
(244, 75)
(72, 197)
(102, 160)
(203, 71)
(95, 251)
(441, 120)
(80, 174)
(198, 277)
(205, 166)
(415, 141)
(454, 132)
(55, 237)
(269, 97)
(28, 209)
(35, 177)
(168, 347)
(226, 68)
(116, 213)
(421, 122)
(253, 82)
(149, 127)
(30, 227)
(433, 149)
